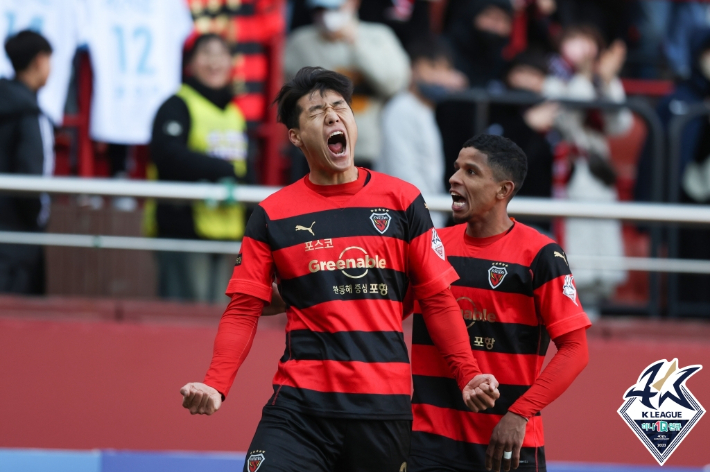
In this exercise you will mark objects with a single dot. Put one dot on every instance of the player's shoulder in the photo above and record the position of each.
(452, 234)
(542, 249)
(388, 184)
(283, 198)
(532, 238)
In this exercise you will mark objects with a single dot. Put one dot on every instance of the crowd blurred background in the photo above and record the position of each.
(180, 90)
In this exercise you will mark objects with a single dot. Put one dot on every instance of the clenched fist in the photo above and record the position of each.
(481, 392)
(200, 399)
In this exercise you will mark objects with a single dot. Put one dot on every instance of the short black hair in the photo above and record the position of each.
(505, 157)
(431, 48)
(23, 47)
(309, 80)
(199, 41)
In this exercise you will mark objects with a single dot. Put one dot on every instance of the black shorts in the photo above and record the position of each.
(436, 464)
(288, 441)
(421, 464)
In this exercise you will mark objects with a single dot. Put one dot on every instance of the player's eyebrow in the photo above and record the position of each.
(315, 108)
(467, 164)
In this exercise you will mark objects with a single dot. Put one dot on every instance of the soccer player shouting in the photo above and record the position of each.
(344, 244)
(515, 292)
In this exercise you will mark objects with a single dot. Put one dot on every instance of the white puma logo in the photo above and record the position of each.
(303, 228)
(557, 254)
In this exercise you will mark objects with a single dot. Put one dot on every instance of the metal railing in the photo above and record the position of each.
(253, 194)
(521, 207)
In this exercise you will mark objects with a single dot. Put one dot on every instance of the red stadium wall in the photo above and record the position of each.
(73, 377)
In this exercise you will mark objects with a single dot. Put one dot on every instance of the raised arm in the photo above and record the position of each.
(232, 344)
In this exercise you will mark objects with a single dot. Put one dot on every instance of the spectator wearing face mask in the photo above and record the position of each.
(586, 70)
(368, 53)
(478, 34)
(411, 145)
(409, 19)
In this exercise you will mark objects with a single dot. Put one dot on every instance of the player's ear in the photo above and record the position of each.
(506, 189)
(294, 135)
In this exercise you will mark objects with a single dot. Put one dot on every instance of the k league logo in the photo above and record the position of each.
(660, 409)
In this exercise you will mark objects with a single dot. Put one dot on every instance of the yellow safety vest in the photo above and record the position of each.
(219, 133)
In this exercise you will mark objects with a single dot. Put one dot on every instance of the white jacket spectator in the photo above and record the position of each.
(368, 53)
(593, 75)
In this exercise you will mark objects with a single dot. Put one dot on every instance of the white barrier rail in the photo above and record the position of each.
(120, 242)
(520, 206)
(534, 207)
(646, 264)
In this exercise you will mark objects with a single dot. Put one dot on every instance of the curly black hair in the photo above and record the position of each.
(309, 80)
(505, 158)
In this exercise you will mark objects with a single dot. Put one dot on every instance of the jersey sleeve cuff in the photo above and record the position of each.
(567, 325)
(436, 285)
(249, 287)
(517, 410)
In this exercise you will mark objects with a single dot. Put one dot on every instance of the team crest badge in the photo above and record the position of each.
(255, 461)
(569, 290)
(437, 245)
(381, 221)
(496, 275)
(660, 409)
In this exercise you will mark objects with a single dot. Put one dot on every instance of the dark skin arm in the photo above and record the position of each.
(508, 435)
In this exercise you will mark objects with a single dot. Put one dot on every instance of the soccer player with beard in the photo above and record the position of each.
(515, 292)
(343, 244)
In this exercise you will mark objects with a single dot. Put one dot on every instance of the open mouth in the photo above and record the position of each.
(337, 143)
(459, 201)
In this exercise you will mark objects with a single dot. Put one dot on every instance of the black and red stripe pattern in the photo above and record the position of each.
(343, 270)
(515, 294)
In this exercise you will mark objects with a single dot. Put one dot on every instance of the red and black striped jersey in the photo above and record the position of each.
(343, 267)
(515, 292)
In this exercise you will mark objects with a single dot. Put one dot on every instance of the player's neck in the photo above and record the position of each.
(321, 177)
(491, 225)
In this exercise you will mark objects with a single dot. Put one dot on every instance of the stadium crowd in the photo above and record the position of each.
(186, 82)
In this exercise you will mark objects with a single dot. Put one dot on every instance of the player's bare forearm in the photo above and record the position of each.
(507, 436)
